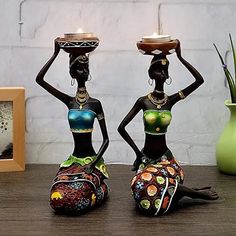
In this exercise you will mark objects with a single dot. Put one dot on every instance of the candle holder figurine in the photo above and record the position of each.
(79, 184)
(158, 183)
(157, 44)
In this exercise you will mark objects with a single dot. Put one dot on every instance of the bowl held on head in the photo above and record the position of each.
(78, 45)
(156, 48)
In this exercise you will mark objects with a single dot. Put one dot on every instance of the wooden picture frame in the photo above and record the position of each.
(12, 101)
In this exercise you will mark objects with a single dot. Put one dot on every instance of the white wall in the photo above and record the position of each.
(119, 71)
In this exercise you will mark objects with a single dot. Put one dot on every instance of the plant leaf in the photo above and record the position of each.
(231, 83)
(234, 56)
(221, 58)
(229, 77)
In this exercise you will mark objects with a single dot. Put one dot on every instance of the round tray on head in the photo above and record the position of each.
(155, 48)
(78, 46)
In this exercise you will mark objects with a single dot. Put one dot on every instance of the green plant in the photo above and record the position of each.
(231, 81)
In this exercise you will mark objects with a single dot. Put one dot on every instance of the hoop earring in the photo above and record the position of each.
(90, 77)
(169, 82)
(150, 81)
(72, 82)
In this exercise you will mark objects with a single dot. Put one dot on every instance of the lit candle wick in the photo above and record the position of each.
(80, 34)
(80, 30)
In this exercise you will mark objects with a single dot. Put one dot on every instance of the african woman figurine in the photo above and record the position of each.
(158, 182)
(79, 184)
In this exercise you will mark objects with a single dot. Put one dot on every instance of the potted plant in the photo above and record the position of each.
(226, 146)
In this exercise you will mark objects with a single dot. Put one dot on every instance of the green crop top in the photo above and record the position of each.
(156, 122)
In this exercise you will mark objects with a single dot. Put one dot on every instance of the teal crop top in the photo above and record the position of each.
(81, 121)
(156, 122)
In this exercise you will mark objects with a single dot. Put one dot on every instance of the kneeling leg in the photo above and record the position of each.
(205, 193)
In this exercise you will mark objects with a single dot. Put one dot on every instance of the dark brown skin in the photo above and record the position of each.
(82, 141)
(155, 145)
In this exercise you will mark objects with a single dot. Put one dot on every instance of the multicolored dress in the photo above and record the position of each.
(155, 184)
(74, 190)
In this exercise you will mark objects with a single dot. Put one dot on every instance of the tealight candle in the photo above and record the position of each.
(78, 35)
(156, 38)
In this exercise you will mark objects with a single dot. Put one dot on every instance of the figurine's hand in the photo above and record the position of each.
(137, 162)
(56, 46)
(89, 169)
(135, 165)
(178, 49)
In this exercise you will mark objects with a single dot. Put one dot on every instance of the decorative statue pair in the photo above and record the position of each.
(158, 184)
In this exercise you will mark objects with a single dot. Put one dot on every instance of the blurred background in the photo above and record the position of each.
(119, 72)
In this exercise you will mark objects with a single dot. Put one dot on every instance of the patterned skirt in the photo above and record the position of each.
(155, 184)
(75, 191)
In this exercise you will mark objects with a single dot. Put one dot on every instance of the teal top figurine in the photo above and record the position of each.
(80, 183)
(158, 183)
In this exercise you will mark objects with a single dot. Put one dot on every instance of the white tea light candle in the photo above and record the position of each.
(156, 38)
(79, 35)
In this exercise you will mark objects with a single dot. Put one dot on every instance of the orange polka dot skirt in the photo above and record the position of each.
(155, 185)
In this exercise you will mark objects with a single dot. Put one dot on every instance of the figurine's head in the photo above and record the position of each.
(79, 67)
(158, 69)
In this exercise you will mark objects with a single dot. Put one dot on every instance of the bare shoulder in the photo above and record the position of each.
(94, 101)
(141, 100)
(96, 105)
(174, 98)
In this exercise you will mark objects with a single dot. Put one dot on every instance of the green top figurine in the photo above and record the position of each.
(158, 183)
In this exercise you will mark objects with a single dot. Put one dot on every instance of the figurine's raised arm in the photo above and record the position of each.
(40, 77)
(198, 78)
